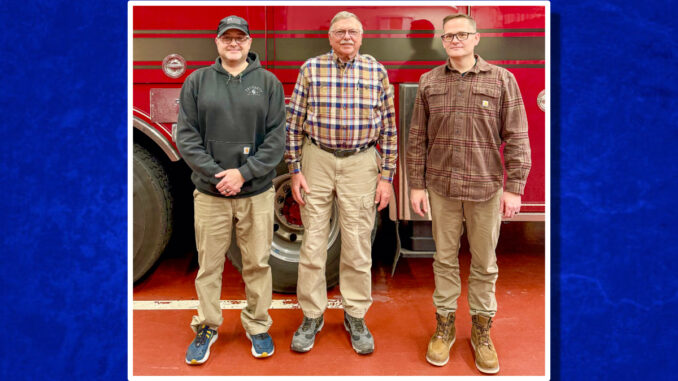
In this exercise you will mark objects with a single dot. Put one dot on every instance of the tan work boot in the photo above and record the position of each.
(438, 352)
(486, 356)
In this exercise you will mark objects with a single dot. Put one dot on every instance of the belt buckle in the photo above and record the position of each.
(343, 153)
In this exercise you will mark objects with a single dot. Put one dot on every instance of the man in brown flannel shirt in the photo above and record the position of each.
(464, 111)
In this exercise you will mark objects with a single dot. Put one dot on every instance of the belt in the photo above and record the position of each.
(342, 152)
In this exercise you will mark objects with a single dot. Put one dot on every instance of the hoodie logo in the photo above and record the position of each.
(254, 90)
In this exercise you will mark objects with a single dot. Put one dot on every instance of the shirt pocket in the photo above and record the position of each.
(485, 108)
(485, 101)
(322, 100)
(366, 98)
(324, 92)
(438, 97)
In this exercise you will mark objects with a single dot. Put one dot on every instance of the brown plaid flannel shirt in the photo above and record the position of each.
(459, 123)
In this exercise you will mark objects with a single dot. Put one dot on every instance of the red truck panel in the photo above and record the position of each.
(404, 39)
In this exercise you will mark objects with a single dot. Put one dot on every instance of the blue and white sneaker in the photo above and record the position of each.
(262, 345)
(199, 350)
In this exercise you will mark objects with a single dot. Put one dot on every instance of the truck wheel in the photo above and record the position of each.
(152, 210)
(288, 233)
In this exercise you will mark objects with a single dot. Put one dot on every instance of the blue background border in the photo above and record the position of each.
(64, 190)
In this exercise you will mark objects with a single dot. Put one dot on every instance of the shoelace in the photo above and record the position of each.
(307, 324)
(442, 329)
(484, 334)
(257, 341)
(202, 337)
(356, 324)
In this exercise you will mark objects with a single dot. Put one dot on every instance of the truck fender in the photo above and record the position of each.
(143, 123)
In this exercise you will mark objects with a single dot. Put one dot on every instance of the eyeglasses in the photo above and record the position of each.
(239, 39)
(342, 33)
(461, 36)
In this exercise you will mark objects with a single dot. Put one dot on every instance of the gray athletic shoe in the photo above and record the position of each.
(361, 338)
(303, 339)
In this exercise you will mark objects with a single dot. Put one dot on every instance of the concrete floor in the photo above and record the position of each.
(402, 319)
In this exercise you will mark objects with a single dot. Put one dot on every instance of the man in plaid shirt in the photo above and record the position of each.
(464, 111)
(341, 107)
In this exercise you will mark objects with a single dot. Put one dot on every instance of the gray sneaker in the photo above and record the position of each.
(303, 339)
(361, 338)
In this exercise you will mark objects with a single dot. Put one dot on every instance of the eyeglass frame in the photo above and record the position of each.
(442, 36)
(228, 40)
(344, 32)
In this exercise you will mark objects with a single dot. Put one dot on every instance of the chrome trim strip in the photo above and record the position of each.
(157, 137)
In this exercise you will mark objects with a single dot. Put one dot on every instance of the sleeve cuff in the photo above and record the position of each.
(416, 184)
(294, 167)
(214, 180)
(387, 175)
(515, 187)
(246, 172)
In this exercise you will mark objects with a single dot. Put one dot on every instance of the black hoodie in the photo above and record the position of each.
(229, 122)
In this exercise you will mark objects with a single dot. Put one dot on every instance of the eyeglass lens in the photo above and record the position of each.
(228, 40)
(350, 32)
(461, 36)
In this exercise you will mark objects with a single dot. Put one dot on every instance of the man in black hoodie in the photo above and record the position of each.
(230, 131)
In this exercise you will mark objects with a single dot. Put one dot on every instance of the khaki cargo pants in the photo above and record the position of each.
(352, 181)
(483, 221)
(214, 219)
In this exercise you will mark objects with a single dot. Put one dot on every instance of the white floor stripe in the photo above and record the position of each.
(279, 304)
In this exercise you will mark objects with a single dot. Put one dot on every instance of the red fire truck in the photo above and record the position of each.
(169, 42)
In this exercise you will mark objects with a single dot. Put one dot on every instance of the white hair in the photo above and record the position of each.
(343, 15)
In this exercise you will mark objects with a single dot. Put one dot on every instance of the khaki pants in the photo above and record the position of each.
(483, 221)
(214, 217)
(352, 181)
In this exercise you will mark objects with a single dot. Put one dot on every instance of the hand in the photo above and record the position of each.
(509, 205)
(419, 201)
(299, 181)
(383, 194)
(231, 182)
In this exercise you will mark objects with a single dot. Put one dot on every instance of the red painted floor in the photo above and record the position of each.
(402, 319)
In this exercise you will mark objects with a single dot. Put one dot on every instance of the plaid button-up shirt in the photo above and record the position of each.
(342, 106)
(459, 123)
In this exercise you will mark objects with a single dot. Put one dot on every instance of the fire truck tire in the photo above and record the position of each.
(152, 210)
(284, 258)
(285, 248)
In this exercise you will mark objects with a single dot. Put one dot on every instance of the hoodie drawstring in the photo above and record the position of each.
(238, 77)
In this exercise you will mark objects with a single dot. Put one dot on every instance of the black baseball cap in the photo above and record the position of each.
(233, 22)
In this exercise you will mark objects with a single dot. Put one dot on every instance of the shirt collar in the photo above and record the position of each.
(340, 63)
(480, 65)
